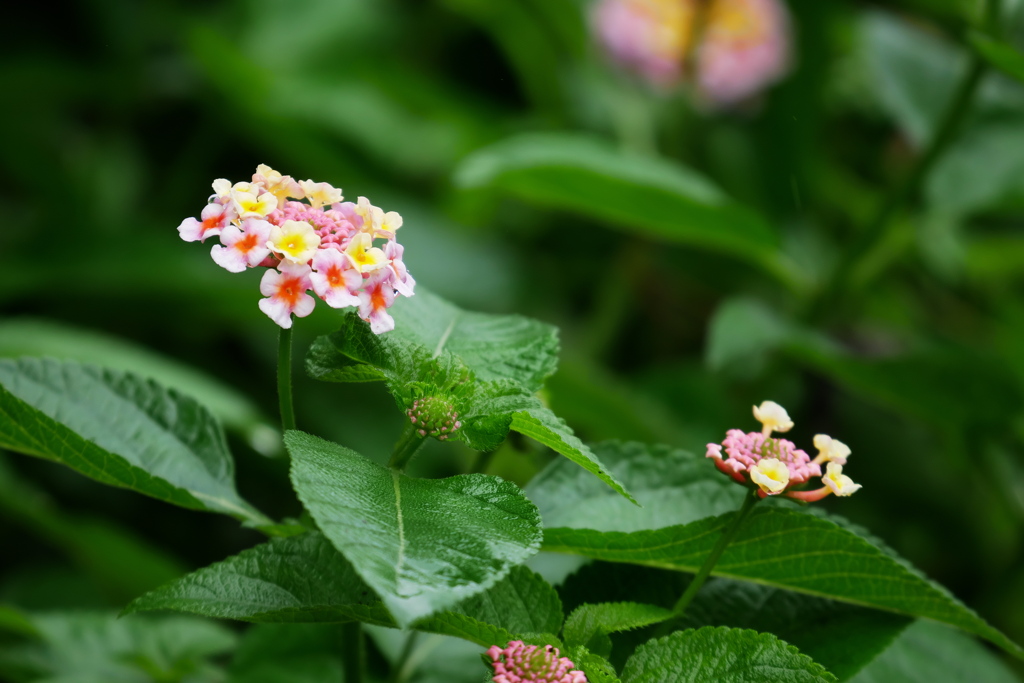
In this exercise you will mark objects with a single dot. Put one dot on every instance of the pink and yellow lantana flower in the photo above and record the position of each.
(732, 49)
(776, 466)
(521, 663)
(308, 239)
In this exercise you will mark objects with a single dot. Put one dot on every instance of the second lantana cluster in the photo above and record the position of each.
(309, 239)
(776, 466)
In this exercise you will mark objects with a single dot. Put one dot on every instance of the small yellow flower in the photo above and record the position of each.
(364, 256)
(770, 474)
(283, 187)
(837, 482)
(773, 417)
(830, 450)
(320, 194)
(296, 241)
(249, 205)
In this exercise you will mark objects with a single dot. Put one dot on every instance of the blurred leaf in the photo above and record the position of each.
(519, 31)
(648, 195)
(304, 579)
(122, 563)
(741, 333)
(86, 647)
(30, 337)
(913, 72)
(927, 652)
(672, 485)
(589, 623)
(15, 621)
(606, 407)
(718, 654)
(996, 145)
(120, 430)
(999, 54)
(422, 545)
(292, 653)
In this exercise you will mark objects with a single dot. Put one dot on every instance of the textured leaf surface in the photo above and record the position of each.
(589, 624)
(297, 579)
(927, 652)
(642, 194)
(544, 426)
(304, 579)
(839, 636)
(120, 430)
(422, 545)
(721, 654)
(791, 550)
(467, 374)
(38, 338)
(672, 485)
(777, 546)
(492, 347)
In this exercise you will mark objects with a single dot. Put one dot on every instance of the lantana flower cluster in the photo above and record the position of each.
(308, 239)
(776, 466)
(742, 46)
(521, 663)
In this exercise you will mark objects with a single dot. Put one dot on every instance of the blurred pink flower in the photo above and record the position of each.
(743, 45)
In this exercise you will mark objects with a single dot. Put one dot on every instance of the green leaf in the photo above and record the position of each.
(589, 625)
(648, 195)
(791, 550)
(544, 426)
(777, 546)
(927, 652)
(15, 621)
(120, 430)
(741, 334)
(672, 485)
(999, 54)
(839, 636)
(300, 579)
(37, 338)
(304, 579)
(90, 647)
(117, 560)
(721, 654)
(485, 367)
(288, 653)
(492, 347)
(422, 545)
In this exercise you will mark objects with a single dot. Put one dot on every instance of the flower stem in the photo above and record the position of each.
(400, 671)
(406, 447)
(284, 379)
(705, 570)
(353, 652)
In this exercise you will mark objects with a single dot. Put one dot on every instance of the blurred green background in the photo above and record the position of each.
(690, 257)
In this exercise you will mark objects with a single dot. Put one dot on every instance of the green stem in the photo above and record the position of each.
(723, 542)
(353, 652)
(406, 447)
(284, 379)
(863, 250)
(399, 673)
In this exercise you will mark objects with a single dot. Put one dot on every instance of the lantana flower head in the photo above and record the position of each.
(776, 466)
(309, 239)
(741, 47)
(521, 663)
